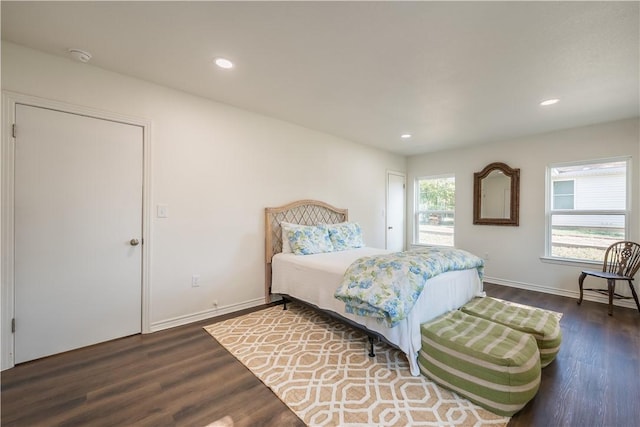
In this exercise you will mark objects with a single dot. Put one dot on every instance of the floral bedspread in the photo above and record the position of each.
(387, 286)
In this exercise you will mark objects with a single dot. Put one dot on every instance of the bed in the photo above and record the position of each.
(313, 279)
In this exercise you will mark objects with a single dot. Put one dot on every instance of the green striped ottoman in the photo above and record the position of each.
(494, 366)
(542, 324)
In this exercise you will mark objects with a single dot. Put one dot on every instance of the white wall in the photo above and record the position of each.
(217, 168)
(514, 252)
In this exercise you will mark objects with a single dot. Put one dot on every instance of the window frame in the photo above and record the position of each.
(549, 212)
(417, 211)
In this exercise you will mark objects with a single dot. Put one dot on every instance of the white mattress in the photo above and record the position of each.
(314, 279)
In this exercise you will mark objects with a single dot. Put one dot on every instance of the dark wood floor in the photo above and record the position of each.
(595, 380)
(182, 377)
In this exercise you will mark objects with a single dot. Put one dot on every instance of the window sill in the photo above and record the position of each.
(427, 245)
(570, 262)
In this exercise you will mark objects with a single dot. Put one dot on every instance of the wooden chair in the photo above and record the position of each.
(621, 262)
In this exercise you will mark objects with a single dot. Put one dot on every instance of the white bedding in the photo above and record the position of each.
(314, 279)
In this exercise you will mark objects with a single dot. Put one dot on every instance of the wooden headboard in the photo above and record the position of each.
(305, 212)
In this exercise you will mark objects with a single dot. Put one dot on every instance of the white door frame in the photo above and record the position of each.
(7, 230)
(404, 208)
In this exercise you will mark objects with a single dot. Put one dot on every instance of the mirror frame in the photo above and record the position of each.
(514, 174)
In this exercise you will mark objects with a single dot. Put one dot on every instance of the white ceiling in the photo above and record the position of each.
(450, 73)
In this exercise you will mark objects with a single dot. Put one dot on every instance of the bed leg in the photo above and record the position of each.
(284, 307)
(371, 352)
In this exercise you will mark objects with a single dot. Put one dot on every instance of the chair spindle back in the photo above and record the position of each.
(622, 258)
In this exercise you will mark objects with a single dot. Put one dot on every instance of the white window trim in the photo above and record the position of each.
(547, 257)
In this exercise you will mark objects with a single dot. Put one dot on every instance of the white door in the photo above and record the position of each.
(395, 211)
(78, 205)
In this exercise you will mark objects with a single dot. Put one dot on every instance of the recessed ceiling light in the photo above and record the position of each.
(405, 136)
(223, 63)
(549, 102)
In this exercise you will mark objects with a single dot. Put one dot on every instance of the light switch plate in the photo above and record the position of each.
(162, 211)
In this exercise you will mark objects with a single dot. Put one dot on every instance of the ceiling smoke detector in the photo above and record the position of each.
(80, 55)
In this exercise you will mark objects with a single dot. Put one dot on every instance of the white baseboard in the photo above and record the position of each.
(202, 315)
(588, 296)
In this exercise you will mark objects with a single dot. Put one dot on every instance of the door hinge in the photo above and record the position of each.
(13, 325)
(13, 130)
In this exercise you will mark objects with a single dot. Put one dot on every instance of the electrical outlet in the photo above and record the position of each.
(195, 281)
(486, 256)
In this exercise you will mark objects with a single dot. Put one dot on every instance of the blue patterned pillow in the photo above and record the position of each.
(284, 226)
(345, 235)
(309, 239)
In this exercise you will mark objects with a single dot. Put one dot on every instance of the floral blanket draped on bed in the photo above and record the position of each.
(387, 286)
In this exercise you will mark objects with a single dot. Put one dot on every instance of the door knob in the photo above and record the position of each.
(390, 228)
(134, 242)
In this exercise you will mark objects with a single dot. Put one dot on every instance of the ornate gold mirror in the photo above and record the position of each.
(496, 195)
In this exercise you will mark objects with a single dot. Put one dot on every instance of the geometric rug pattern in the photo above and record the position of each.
(320, 368)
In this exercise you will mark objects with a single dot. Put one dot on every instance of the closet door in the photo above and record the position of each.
(78, 231)
(396, 199)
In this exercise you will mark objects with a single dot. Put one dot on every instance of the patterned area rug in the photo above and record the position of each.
(320, 369)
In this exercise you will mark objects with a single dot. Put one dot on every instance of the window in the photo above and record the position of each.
(435, 211)
(588, 208)
(563, 194)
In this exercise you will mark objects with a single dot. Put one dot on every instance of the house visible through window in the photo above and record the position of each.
(563, 194)
(435, 211)
(588, 209)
